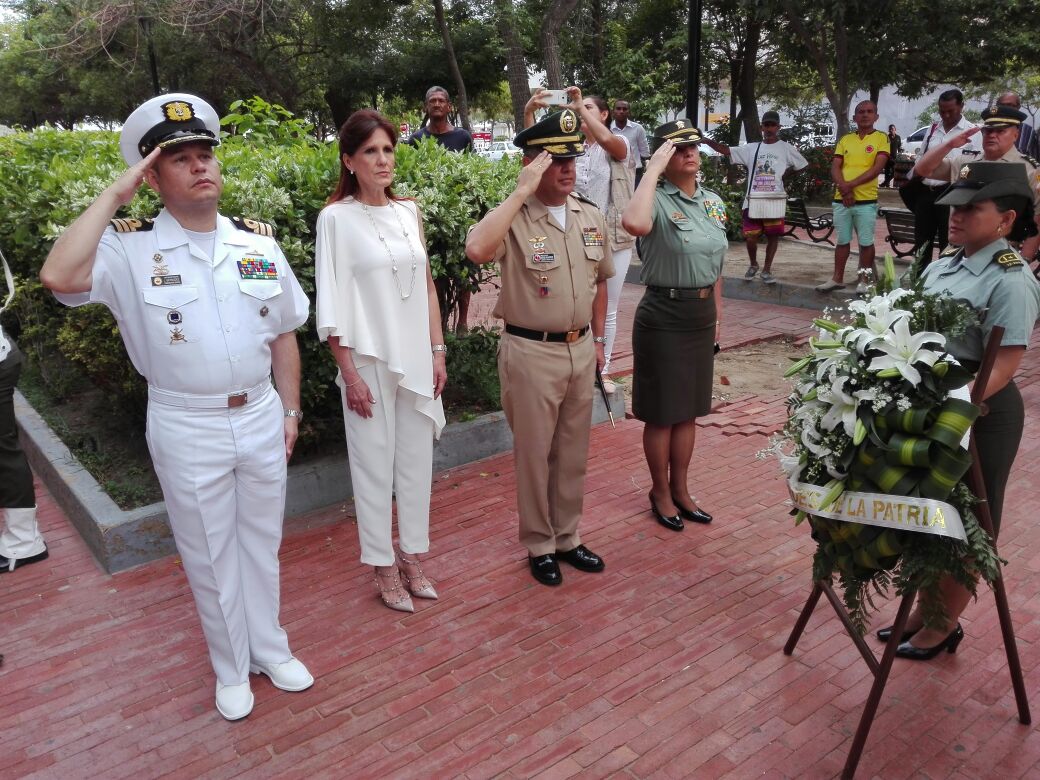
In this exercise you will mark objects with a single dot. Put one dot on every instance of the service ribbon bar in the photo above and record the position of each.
(900, 513)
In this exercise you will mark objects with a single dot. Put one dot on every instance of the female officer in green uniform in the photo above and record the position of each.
(991, 203)
(683, 229)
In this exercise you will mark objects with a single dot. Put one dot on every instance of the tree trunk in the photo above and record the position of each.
(516, 62)
(875, 92)
(746, 86)
(597, 41)
(461, 103)
(820, 48)
(551, 24)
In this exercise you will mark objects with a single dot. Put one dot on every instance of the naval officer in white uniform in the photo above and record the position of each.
(207, 307)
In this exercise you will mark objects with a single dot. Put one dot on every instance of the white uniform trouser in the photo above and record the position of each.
(390, 452)
(222, 473)
(622, 259)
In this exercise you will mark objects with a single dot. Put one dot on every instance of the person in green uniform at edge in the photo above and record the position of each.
(992, 203)
(683, 230)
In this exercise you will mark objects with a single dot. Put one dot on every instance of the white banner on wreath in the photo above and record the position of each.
(900, 513)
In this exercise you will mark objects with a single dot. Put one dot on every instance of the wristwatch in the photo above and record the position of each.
(600, 339)
(294, 413)
(440, 348)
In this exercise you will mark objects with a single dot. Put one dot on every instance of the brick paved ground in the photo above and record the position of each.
(667, 665)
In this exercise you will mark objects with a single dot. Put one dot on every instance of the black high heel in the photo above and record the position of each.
(693, 515)
(884, 633)
(671, 523)
(949, 644)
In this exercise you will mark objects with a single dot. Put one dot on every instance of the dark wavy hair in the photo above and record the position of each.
(1023, 227)
(355, 131)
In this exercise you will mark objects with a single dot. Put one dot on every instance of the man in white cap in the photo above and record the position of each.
(207, 307)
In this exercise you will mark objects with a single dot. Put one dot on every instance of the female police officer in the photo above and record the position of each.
(991, 203)
(682, 249)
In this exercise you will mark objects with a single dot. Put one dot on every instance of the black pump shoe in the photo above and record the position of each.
(693, 515)
(949, 644)
(884, 633)
(674, 523)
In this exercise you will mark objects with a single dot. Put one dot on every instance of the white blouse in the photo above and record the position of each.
(359, 299)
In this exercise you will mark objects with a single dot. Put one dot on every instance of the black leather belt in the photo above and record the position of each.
(539, 335)
(684, 293)
(936, 187)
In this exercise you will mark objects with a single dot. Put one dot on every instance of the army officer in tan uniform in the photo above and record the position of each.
(554, 261)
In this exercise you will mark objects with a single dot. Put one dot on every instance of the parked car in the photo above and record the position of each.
(499, 149)
(912, 143)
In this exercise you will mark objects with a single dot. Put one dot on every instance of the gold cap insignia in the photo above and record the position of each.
(178, 111)
(568, 122)
(680, 124)
(964, 172)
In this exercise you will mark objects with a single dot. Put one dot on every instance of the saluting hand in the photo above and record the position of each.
(531, 174)
(659, 160)
(962, 139)
(126, 186)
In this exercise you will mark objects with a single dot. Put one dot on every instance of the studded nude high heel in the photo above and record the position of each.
(419, 585)
(392, 592)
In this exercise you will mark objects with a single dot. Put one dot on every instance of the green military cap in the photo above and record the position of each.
(556, 134)
(985, 181)
(681, 132)
(1002, 116)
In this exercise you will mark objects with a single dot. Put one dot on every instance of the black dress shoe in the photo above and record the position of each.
(581, 558)
(884, 633)
(949, 644)
(693, 515)
(674, 523)
(545, 569)
(10, 564)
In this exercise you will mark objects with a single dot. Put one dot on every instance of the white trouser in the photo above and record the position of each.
(21, 536)
(622, 259)
(390, 452)
(222, 473)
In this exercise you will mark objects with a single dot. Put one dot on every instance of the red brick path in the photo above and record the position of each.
(669, 664)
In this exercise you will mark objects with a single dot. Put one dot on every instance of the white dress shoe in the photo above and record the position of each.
(234, 702)
(289, 676)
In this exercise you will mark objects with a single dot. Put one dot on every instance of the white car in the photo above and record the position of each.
(912, 143)
(500, 149)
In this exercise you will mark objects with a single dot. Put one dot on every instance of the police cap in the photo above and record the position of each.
(1002, 116)
(681, 132)
(556, 134)
(166, 121)
(985, 181)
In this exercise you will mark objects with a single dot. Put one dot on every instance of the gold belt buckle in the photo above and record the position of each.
(236, 400)
(573, 335)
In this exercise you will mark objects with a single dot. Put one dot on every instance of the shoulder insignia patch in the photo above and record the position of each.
(1007, 260)
(1031, 160)
(253, 226)
(131, 225)
(583, 199)
(949, 251)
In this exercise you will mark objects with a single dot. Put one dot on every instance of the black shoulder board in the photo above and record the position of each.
(583, 199)
(131, 225)
(949, 251)
(971, 152)
(1031, 161)
(253, 226)
(1007, 259)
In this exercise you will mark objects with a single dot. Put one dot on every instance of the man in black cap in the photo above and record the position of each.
(207, 308)
(1000, 129)
(554, 258)
(769, 163)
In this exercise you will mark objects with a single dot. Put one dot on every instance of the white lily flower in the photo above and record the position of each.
(842, 405)
(902, 349)
(879, 319)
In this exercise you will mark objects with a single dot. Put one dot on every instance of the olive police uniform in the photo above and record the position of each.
(549, 278)
(997, 283)
(673, 331)
(197, 320)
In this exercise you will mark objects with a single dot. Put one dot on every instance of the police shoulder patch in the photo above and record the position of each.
(1007, 259)
(253, 226)
(584, 199)
(131, 225)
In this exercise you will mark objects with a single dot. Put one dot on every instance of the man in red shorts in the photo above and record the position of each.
(767, 163)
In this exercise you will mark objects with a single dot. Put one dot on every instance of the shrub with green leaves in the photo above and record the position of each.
(273, 171)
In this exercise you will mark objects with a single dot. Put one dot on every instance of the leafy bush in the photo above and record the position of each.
(814, 181)
(714, 178)
(272, 173)
(473, 369)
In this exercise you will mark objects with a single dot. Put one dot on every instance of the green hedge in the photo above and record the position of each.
(49, 176)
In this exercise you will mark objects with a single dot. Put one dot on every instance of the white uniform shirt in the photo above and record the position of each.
(939, 135)
(634, 133)
(771, 164)
(192, 324)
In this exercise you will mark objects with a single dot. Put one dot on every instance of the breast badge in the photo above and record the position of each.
(166, 281)
(716, 211)
(592, 236)
(174, 317)
(264, 311)
(177, 336)
(257, 267)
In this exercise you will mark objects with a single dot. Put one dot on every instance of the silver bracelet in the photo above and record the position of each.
(440, 348)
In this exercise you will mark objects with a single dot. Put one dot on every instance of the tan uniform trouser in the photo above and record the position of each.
(547, 399)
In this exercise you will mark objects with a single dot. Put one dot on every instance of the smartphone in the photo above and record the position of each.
(557, 97)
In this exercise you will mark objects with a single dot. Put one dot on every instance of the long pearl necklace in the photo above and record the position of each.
(386, 246)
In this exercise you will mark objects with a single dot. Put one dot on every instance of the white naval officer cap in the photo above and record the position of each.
(165, 121)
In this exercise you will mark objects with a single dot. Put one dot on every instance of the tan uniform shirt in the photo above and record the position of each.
(950, 170)
(549, 275)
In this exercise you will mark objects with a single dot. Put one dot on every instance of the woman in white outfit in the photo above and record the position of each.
(377, 308)
(605, 175)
